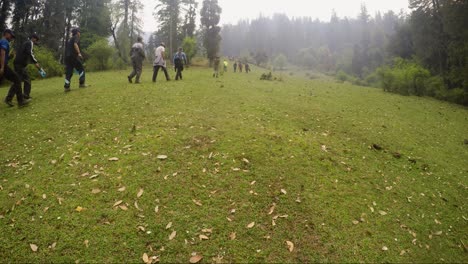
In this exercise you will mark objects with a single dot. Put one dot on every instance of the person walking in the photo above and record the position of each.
(247, 68)
(25, 56)
(235, 67)
(160, 62)
(7, 73)
(74, 60)
(226, 64)
(216, 63)
(137, 54)
(180, 59)
(240, 67)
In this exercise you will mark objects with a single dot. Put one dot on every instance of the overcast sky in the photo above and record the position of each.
(234, 10)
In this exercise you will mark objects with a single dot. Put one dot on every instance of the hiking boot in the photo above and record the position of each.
(82, 86)
(27, 97)
(130, 79)
(8, 102)
(24, 103)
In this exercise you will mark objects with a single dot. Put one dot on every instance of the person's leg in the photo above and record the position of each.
(138, 70)
(166, 73)
(27, 83)
(68, 73)
(155, 73)
(15, 88)
(79, 67)
(178, 74)
(134, 72)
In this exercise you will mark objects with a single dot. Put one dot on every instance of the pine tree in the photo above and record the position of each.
(210, 18)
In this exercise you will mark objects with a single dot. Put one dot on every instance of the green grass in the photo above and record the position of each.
(311, 138)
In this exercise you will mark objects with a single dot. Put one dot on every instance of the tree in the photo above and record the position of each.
(167, 12)
(210, 18)
(190, 18)
(5, 8)
(190, 48)
(280, 62)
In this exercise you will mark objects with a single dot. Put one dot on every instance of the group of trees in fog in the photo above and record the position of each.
(421, 53)
(175, 24)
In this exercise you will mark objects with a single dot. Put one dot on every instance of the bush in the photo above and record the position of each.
(280, 62)
(100, 53)
(48, 62)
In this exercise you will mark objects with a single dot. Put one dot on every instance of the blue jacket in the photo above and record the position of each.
(5, 45)
(181, 56)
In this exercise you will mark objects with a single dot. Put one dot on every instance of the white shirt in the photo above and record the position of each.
(159, 60)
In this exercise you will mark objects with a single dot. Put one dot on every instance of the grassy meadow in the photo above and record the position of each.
(231, 170)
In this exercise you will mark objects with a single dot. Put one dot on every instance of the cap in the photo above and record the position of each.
(9, 31)
(34, 35)
(75, 31)
(163, 44)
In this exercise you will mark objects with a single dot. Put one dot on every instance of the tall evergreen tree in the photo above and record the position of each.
(210, 18)
(168, 12)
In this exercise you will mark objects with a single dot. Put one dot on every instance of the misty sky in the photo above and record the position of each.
(234, 10)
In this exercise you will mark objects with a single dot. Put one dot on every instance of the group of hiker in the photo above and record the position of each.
(25, 55)
(74, 61)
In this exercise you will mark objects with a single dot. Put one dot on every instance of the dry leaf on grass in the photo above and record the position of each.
(114, 159)
(140, 193)
(233, 236)
(122, 189)
(384, 248)
(203, 237)
(283, 191)
(145, 258)
(382, 213)
(173, 235)
(123, 207)
(117, 203)
(79, 209)
(251, 225)
(137, 207)
(169, 225)
(34, 247)
(95, 191)
(156, 209)
(272, 209)
(197, 202)
(206, 230)
(290, 246)
(324, 148)
(196, 259)
(86, 243)
(162, 157)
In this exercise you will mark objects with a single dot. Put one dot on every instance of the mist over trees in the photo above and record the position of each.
(423, 53)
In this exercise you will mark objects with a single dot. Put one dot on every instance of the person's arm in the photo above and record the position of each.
(2, 61)
(77, 49)
(185, 58)
(30, 49)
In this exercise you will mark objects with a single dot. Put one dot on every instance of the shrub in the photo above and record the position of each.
(405, 77)
(280, 62)
(100, 53)
(48, 62)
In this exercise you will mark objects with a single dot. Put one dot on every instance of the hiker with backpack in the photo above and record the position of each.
(180, 59)
(137, 55)
(74, 60)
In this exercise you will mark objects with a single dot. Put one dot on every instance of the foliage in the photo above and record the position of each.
(280, 62)
(48, 63)
(190, 48)
(210, 18)
(99, 53)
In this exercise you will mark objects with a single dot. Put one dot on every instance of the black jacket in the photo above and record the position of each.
(25, 54)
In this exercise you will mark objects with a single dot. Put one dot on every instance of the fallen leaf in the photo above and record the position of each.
(197, 202)
(114, 159)
(233, 236)
(123, 207)
(117, 203)
(142, 228)
(137, 207)
(283, 191)
(156, 209)
(385, 248)
(34, 248)
(290, 246)
(169, 225)
(140, 193)
(251, 225)
(162, 157)
(382, 213)
(86, 243)
(272, 209)
(95, 191)
(79, 209)
(53, 245)
(195, 259)
(324, 148)
(355, 222)
(122, 189)
(145, 258)
(203, 237)
(206, 230)
(246, 161)
(173, 235)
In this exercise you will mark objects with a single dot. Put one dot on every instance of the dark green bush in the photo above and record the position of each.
(48, 62)
(100, 53)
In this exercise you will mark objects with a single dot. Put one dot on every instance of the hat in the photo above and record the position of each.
(9, 31)
(75, 31)
(163, 44)
(34, 35)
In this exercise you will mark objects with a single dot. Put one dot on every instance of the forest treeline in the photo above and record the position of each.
(176, 22)
(423, 53)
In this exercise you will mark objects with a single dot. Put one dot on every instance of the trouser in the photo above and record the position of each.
(235, 69)
(179, 72)
(72, 64)
(156, 70)
(137, 69)
(15, 88)
(23, 74)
